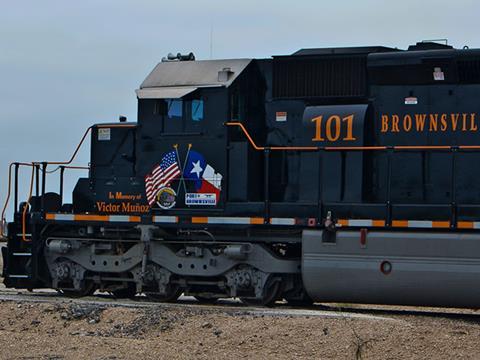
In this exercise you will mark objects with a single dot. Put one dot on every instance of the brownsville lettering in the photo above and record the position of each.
(393, 123)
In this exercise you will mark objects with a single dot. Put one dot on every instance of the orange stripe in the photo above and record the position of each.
(256, 221)
(343, 222)
(441, 224)
(50, 216)
(134, 218)
(422, 147)
(400, 223)
(379, 223)
(293, 148)
(199, 220)
(336, 148)
(116, 126)
(91, 218)
(465, 225)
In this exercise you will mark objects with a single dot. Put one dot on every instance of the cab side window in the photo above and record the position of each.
(197, 110)
(175, 109)
(173, 121)
(195, 115)
(181, 116)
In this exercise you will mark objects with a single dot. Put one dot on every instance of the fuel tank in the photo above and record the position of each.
(408, 268)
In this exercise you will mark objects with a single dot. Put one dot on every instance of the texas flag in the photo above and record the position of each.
(202, 175)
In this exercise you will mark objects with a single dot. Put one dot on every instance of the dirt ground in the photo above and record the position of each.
(85, 331)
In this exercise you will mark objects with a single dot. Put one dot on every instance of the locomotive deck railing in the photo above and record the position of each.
(40, 180)
(454, 149)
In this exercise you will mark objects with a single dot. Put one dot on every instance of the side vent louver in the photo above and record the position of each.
(469, 71)
(319, 77)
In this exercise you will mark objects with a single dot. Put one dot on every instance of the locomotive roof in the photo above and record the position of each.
(344, 50)
(174, 79)
(420, 56)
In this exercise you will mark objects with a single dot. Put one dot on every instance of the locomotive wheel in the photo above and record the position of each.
(87, 290)
(205, 299)
(171, 295)
(271, 293)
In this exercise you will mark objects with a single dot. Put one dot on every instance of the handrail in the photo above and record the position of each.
(452, 148)
(74, 153)
(349, 148)
(2, 219)
(240, 125)
(61, 163)
(9, 192)
(27, 205)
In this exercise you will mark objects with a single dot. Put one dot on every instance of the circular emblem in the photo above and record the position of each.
(166, 198)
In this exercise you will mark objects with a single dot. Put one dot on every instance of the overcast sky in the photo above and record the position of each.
(67, 64)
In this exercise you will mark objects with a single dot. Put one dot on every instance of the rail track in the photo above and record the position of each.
(236, 307)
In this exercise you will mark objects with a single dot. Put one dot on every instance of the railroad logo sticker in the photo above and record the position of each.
(166, 198)
(196, 179)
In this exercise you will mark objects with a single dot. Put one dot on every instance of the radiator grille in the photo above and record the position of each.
(319, 77)
(469, 71)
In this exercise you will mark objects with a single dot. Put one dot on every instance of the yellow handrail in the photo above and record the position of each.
(348, 148)
(33, 164)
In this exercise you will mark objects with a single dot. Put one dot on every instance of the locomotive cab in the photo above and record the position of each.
(182, 109)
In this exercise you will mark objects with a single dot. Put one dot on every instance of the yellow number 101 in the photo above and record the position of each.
(333, 128)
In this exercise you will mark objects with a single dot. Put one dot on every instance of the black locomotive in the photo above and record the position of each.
(337, 174)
